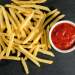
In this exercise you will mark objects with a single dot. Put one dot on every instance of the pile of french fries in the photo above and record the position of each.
(22, 31)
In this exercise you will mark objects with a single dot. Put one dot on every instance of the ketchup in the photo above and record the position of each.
(63, 36)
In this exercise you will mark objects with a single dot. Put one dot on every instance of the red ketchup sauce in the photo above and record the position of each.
(63, 36)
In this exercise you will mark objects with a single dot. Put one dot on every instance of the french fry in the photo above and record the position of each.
(5, 40)
(36, 7)
(31, 26)
(36, 51)
(21, 18)
(47, 31)
(51, 18)
(2, 43)
(10, 45)
(52, 12)
(14, 16)
(46, 52)
(2, 53)
(28, 2)
(6, 19)
(56, 20)
(44, 61)
(2, 23)
(11, 58)
(25, 65)
(45, 40)
(18, 53)
(12, 21)
(42, 39)
(0, 49)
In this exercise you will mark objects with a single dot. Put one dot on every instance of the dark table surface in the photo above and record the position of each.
(64, 64)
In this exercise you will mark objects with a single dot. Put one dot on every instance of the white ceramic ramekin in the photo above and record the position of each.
(50, 39)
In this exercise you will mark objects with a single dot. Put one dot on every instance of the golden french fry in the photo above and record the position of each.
(47, 31)
(10, 45)
(2, 23)
(36, 51)
(45, 40)
(11, 58)
(52, 12)
(0, 49)
(36, 7)
(21, 18)
(5, 40)
(2, 53)
(56, 20)
(12, 21)
(2, 43)
(28, 2)
(51, 18)
(6, 19)
(25, 65)
(18, 54)
(46, 52)
(14, 16)
(44, 61)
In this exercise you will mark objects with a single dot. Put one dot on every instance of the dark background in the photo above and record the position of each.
(64, 64)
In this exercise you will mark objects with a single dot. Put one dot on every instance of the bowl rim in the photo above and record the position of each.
(57, 49)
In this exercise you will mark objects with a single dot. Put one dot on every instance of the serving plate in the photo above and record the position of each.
(64, 64)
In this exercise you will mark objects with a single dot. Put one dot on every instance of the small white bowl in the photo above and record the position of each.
(50, 32)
